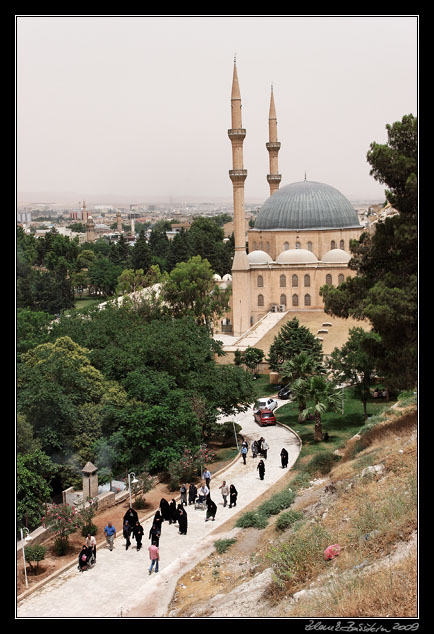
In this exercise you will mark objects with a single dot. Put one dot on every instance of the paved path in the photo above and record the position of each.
(119, 584)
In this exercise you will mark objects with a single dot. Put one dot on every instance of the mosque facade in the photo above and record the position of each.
(300, 241)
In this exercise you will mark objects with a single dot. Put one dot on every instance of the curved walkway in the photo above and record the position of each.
(120, 586)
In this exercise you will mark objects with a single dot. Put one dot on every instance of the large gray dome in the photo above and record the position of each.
(306, 205)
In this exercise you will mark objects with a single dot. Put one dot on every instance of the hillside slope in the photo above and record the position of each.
(367, 504)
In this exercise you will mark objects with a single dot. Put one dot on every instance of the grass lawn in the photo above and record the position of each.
(263, 387)
(86, 302)
(340, 427)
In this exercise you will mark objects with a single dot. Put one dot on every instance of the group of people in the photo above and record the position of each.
(377, 393)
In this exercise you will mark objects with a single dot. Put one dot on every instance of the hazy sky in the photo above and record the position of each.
(139, 106)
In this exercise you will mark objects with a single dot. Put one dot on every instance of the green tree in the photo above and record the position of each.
(290, 341)
(300, 366)
(32, 328)
(321, 396)
(33, 472)
(252, 357)
(141, 254)
(179, 249)
(103, 275)
(191, 290)
(385, 288)
(355, 363)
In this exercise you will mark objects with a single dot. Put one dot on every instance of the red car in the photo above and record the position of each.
(264, 417)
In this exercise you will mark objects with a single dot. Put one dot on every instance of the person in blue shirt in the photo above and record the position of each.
(110, 534)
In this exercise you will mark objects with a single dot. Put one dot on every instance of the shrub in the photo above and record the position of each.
(139, 503)
(89, 529)
(36, 553)
(322, 462)
(301, 556)
(252, 519)
(222, 545)
(301, 480)
(63, 520)
(277, 503)
(287, 519)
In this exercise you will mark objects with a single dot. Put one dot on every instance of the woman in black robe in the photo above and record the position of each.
(138, 534)
(165, 509)
(131, 517)
(211, 509)
(158, 520)
(182, 520)
(83, 558)
(154, 535)
(284, 458)
(173, 512)
(192, 494)
(233, 494)
(261, 468)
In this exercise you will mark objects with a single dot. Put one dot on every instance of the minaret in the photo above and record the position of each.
(240, 264)
(90, 230)
(84, 213)
(273, 147)
(119, 221)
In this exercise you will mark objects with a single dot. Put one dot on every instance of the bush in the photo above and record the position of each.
(89, 529)
(34, 553)
(224, 432)
(222, 545)
(301, 480)
(285, 520)
(139, 503)
(252, 519)
(322, 462)
(277, 503)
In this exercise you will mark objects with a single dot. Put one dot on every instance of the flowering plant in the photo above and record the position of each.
(63, 520)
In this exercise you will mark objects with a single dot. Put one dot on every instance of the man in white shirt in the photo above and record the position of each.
(202, 493)
(91, 544)
(207, 477)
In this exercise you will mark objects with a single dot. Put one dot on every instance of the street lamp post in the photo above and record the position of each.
(130, 482)
(23, 540)
(235, 432)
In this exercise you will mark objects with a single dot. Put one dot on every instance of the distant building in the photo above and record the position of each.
(24, 217)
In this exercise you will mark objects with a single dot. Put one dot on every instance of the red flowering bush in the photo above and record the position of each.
(63, 520)
(189, 465)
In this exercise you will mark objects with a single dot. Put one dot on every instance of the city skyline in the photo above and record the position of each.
(138, 107)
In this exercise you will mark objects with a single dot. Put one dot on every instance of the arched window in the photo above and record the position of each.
(283, 300)
(332, 244)
(298, 245)
(286, 246)
(307, 280)
(255, 245)
(260, 281)
(309, 246)
(267, 247)
(307, 300)
(260, 300)
(342, 244)
(295, 300)
(341, 278)
(329, 279)
(294, 281)
(282, 281)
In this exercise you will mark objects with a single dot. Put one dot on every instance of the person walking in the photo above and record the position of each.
(126, 530)
(207, 477)
(138, 534)
(264, 448)
(233, 494)
(192, 494)
(203, 492)
(254, 449)
(158, 520)
(182, 520)
(131, 517)
(91, 545)
(284, 458)
(173, 512)
(154, 535)
(183, 492)
(110, 534)
(261, 468)
(244, 452)
(165, 509)
(154, 556)
(225, 492)
(211, 509)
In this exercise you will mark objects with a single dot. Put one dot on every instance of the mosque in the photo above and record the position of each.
(299, 243)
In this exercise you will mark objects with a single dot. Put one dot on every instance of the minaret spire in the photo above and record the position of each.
(240, 264)
(273, 147)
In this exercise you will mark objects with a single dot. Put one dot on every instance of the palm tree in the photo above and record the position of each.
(322, 396)
(300, 367)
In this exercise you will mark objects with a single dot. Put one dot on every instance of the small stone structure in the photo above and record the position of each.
(90, 480)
